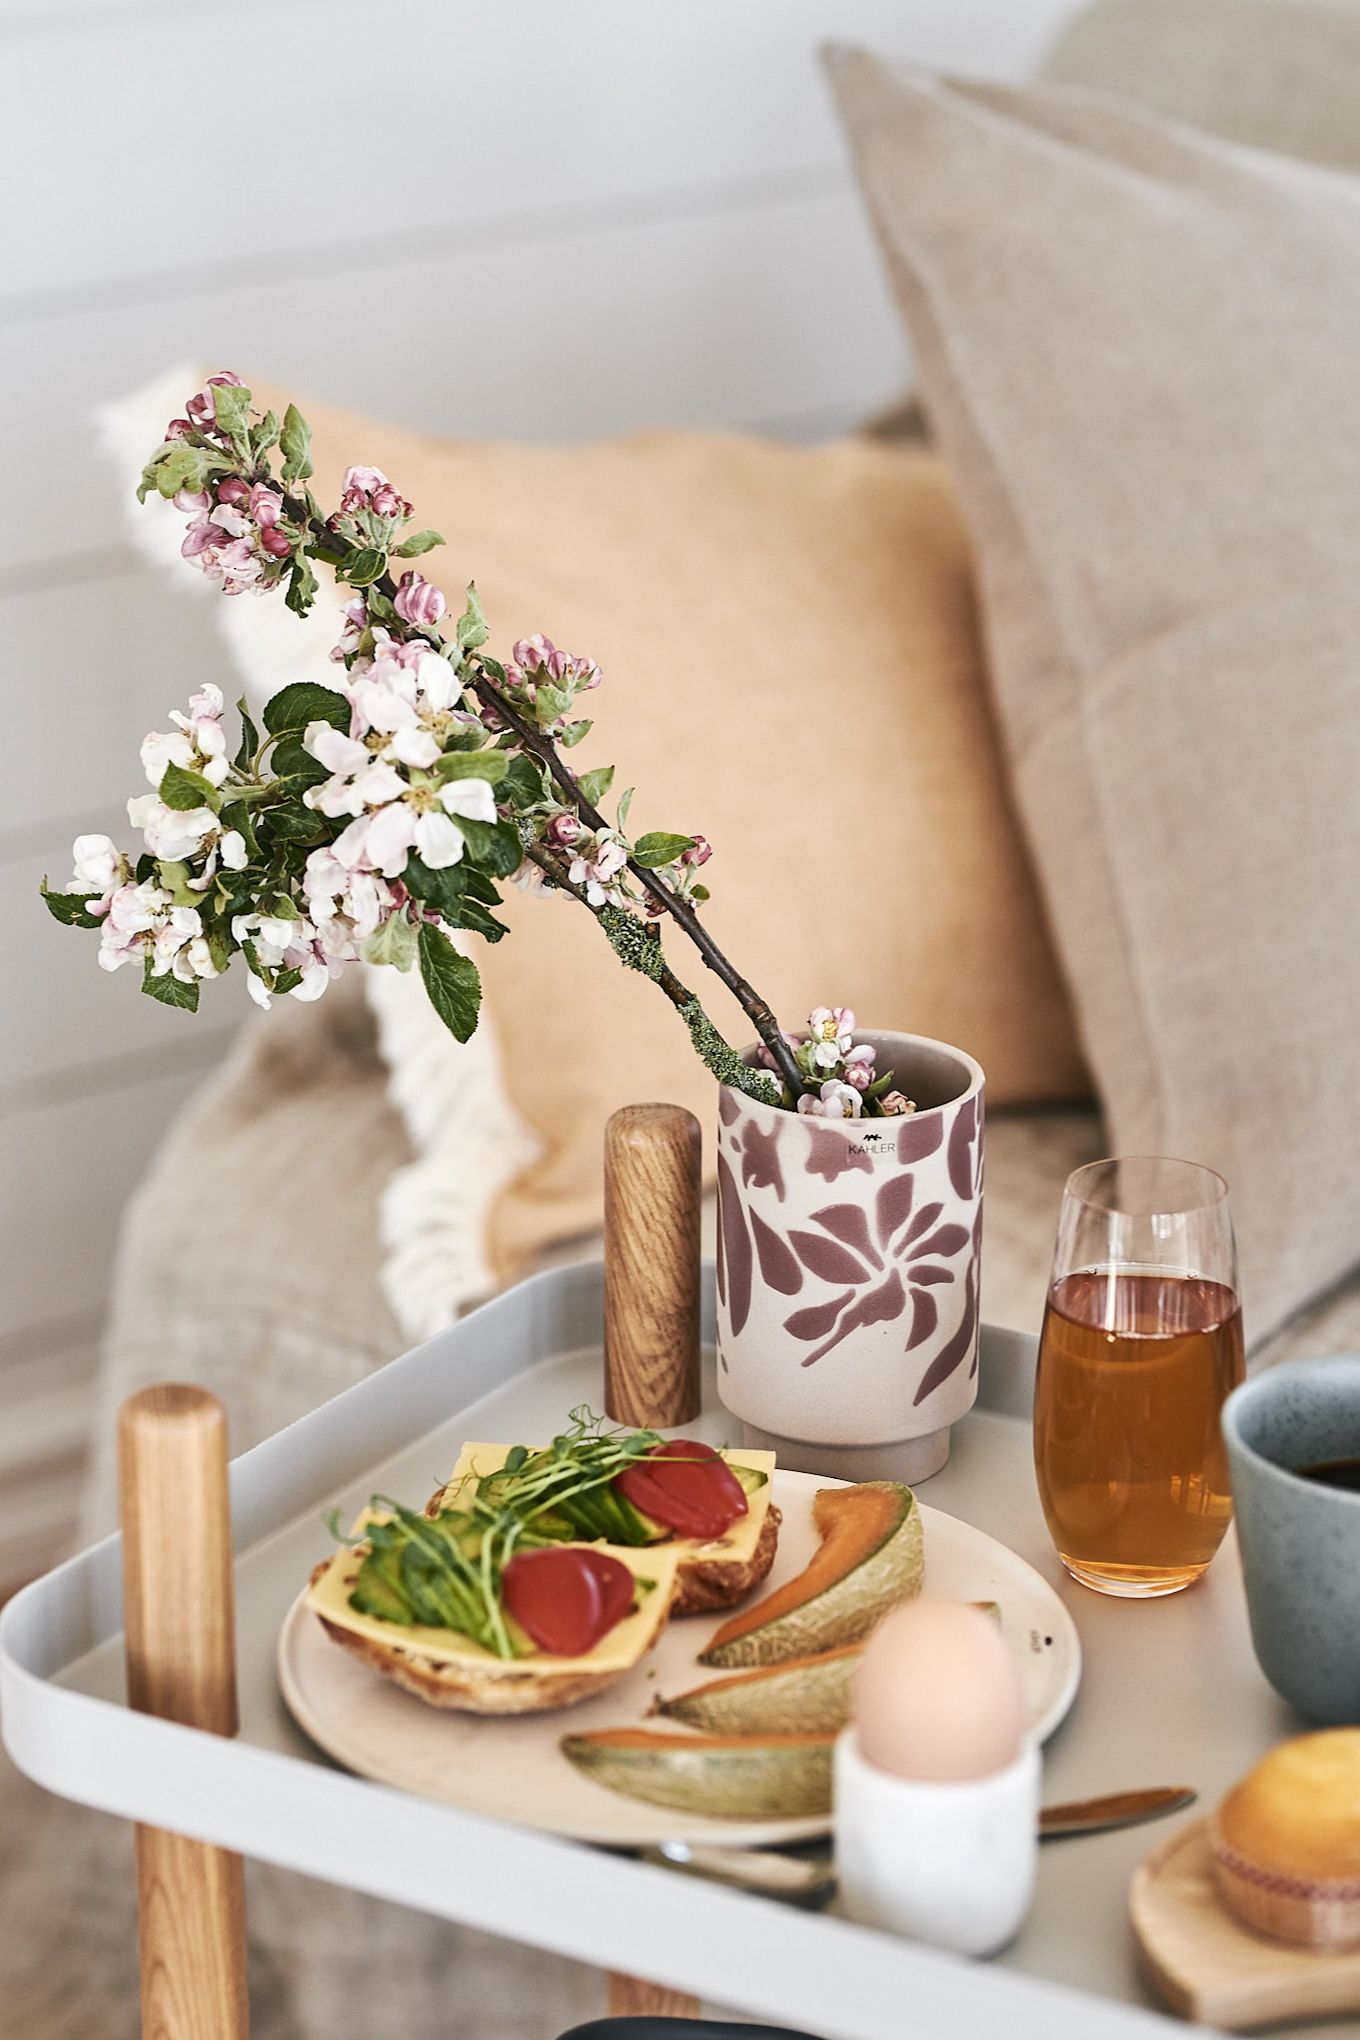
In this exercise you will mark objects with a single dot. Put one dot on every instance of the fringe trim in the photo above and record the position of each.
(468, 1139)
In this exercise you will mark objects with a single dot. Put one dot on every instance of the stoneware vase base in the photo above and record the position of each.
(909, 1459)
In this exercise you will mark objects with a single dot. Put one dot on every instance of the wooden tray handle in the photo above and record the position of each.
(181, 1665)
(651, 1331)
(651, 1265)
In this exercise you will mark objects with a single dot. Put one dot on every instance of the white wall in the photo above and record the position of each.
(528, 220)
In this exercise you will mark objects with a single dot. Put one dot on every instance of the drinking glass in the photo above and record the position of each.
(1140, 1348)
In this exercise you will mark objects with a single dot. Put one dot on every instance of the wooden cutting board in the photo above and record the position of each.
(1208, 1965)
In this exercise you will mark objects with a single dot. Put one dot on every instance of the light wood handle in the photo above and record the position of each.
(179, 1616)
(652, 1159)
(630, 1998)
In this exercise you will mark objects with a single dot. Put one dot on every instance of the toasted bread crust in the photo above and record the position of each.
(465, 1688)
(704, 1584)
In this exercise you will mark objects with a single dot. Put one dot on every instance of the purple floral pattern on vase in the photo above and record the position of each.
(854, 1319)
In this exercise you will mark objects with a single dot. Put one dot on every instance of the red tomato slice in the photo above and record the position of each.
(687, 1486)
(617, 1586)
(556, 1599)
(566, 1600)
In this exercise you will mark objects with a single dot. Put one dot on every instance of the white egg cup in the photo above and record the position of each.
(949, 1862)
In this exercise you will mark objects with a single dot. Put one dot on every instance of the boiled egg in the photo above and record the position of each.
(937, 1694)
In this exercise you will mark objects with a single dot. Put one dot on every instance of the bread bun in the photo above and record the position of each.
(1286, 1841)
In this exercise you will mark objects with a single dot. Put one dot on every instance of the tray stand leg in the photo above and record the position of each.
(181, 1665)
(651, 1333)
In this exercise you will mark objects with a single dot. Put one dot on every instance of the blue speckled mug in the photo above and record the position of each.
(1300, 1539)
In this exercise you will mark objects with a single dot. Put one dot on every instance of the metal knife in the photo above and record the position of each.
(810, 1879)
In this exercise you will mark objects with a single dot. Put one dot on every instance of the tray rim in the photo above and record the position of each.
(750, 1954)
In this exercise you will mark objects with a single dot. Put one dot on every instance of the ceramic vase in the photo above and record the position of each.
(848, 1254)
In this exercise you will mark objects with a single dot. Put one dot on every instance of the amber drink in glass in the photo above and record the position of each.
(1141, 1345)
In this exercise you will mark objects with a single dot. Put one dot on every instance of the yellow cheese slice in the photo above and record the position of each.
(737, 1542)
(624, 1644)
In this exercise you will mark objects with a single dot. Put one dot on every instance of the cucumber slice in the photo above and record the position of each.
(752, 1478)
(377, 1590)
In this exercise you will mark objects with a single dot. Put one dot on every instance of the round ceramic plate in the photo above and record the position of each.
(513, 1769)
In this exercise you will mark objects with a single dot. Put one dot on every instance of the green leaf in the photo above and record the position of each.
(452, 982)
(524, 782)
(286, 981)
(477, 885)
(625, 802)
(183, 790)
(293, 822)
(266, 433)
(178, 466)
(304, 702)
(69, 907)
(550, 701)
(250, 739)
(419, 542)
(169, 989)
(443, 889)
(394, 942)
(302, 585)
(491, 766)
(362, 567)
(595, 785)
(231, 409)
(472, 630)
(295, 444)
(652, 851)
(173, 874)
(473, 916)
(294, 762)
(493, 845)
(571, 734)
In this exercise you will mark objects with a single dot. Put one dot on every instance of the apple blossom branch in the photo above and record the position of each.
(372, 819)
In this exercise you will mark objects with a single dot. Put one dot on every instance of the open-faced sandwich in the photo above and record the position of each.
(637, 1491)
(469, 1609)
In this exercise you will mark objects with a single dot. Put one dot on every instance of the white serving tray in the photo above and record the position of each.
(1171, 1695)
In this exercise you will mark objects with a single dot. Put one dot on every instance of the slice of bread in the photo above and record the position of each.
(705, 1579)
(447, 1670)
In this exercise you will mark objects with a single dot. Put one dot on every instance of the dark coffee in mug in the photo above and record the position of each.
(1342, 1473)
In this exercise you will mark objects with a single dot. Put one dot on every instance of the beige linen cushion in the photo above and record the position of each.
(1138, 348)
(792, 666)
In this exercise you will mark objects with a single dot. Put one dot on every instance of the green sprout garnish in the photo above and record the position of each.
(444, 1571)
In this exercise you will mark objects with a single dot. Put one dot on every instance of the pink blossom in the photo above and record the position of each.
(563, 829)
(265, 504)
(231, 489)
(699, 852)
(178, 428)
(418, 601)
(98, 870)
(367, 488)
(275, 542)
(192, 499)
(840, 1101)
(356, 623)
(858, 1066)
(894, 1105)
(539, 655)
(597, 870)
(200, 407)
